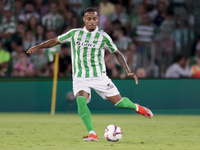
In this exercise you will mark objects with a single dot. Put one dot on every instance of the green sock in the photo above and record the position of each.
(126, 103)
(84, 113)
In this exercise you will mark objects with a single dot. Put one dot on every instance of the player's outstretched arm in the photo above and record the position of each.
(122, 61)
(46, 44)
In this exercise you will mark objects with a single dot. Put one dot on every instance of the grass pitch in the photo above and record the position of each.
(64, 132)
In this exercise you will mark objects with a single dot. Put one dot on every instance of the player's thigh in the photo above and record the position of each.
(81, 88)
(105, 87)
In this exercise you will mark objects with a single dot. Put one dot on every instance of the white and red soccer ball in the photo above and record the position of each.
(113, 133)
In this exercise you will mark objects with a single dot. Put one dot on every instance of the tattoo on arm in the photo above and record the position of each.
(49, 43)
(122, 61)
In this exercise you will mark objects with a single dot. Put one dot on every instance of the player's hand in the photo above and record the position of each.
(32, 50)
(130, 74)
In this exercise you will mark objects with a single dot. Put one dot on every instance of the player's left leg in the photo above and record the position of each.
(85, 114)
(125, 102)
(82, 92)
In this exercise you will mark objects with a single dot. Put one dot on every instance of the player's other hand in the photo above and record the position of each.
(32, 50)
(130, 74)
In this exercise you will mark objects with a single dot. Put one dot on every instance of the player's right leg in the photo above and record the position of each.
(125, 102)
(85, 114)
(107, 90)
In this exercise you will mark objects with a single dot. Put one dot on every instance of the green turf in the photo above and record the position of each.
(64, 132)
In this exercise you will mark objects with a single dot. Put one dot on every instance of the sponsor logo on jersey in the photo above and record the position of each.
(79, 43)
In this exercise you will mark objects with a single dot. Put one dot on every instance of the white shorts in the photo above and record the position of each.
(102, 85)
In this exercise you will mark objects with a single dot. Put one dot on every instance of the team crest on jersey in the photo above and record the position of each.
(96, 39)
(87, 38)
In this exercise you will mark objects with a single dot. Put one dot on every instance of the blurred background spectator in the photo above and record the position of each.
(195, 70)
(106, 8)
(135, 18)
(7, 28)
(50, 52)
(4, 60)
(122, 42)
(29, 11)
(180, 68)
(152, 69)
(141, 73)
(23, 67)
(102, 18)
(150, 34)
(112, 68)
(65, 66)
(40, 34)
(17, 53)
(121, 16)
(53, 20)
(29, 40)
(39, 61)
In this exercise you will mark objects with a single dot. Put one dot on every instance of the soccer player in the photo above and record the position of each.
(88, 45)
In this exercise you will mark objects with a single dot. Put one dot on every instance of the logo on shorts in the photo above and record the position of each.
(110, 86)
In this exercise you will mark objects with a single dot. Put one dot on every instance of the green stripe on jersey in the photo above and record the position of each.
(67, 36)
(78, 52)
(108, 43)
(92, 55)
(74, 53)
(79, 63)
(85, 55)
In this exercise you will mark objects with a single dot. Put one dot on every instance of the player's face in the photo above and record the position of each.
(91, 20)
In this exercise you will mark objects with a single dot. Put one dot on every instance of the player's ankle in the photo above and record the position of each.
(92, 132)
(137, 108)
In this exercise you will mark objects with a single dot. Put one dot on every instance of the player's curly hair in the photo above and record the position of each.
(90, 9)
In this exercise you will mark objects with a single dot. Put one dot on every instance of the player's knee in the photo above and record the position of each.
(82, 94)
(81, 100)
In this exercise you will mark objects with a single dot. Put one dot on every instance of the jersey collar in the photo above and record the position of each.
(85, 30)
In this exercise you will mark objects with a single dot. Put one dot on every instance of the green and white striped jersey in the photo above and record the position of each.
(87, 51)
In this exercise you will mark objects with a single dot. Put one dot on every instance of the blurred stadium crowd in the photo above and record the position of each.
(159, 38)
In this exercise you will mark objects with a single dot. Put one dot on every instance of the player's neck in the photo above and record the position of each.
(89, 30)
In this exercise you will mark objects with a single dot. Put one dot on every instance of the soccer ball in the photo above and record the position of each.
(113, 133)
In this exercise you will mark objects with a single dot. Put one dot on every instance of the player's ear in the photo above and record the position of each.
(84, 19)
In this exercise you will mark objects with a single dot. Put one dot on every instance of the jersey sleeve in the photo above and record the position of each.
(66, 37)
(109, 44)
